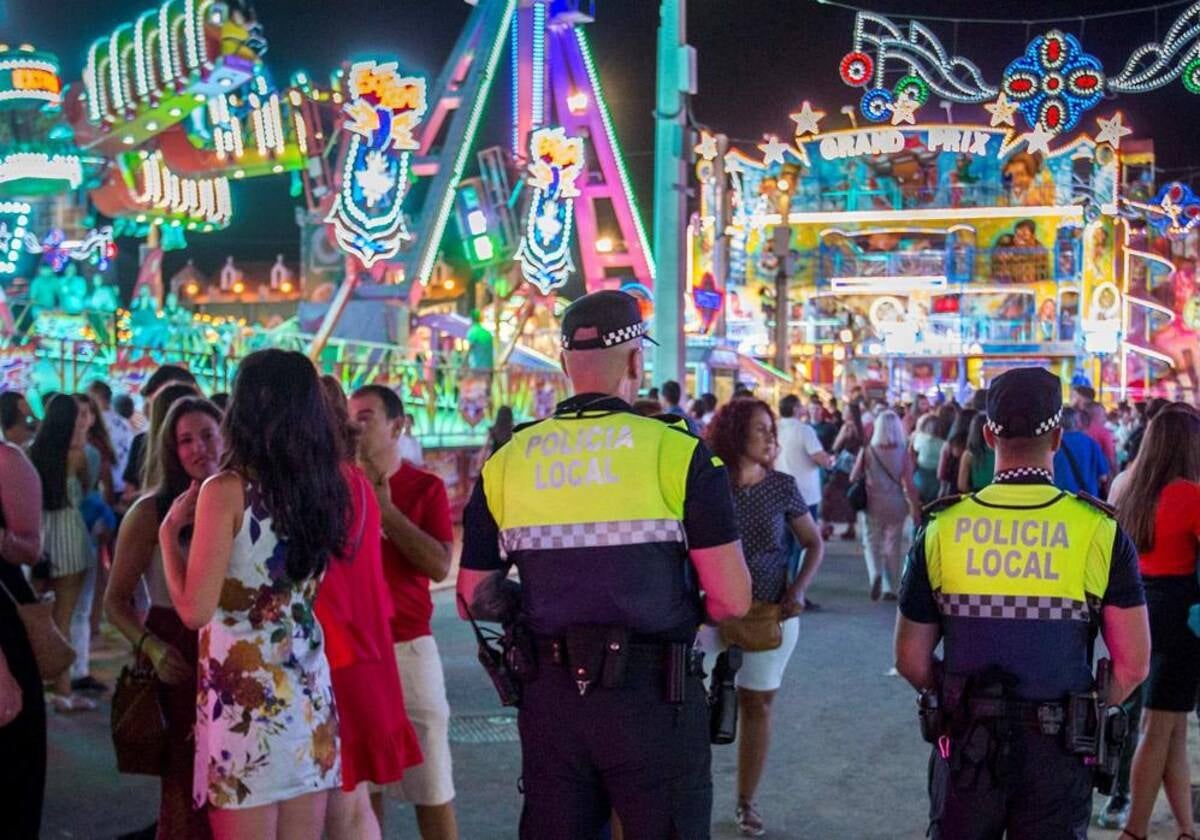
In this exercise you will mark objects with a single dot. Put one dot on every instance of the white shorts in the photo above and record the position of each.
(762, 670)
(432, 781)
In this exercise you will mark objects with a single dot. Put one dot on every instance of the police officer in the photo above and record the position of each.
(616, 523)
(1014, 580)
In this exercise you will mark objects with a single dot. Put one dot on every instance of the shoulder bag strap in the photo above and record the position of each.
(883, 467)
(1075, 471)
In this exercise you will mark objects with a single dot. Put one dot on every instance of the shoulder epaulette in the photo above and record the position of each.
(938, 505)
(673, 421)
(1100, 505)
(520, 427)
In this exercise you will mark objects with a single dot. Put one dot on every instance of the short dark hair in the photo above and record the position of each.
(10, 409)
(671, 392)
(788, 405)
(710, 401)
(123, 405)
(979, 400)
(393, 406)
(1070, 419)
(1085, 391)
(165, 374)
(101, 389)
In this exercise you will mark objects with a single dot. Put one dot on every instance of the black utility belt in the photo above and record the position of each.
(1048, 718)
(603, 656)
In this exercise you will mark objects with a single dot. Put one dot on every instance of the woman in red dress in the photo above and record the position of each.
(378, 740)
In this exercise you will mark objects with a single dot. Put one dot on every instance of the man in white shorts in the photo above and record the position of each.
(416, 515)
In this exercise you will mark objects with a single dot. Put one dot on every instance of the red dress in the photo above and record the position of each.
(354, 608)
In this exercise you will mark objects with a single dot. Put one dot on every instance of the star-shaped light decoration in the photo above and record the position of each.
(707, 147)
(904, 110)
(1038, 140)
(1002, 111)
(1112, 130)
(806, 120)
(773, 150)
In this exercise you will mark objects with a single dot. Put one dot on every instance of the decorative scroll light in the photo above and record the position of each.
(1053, 83)
(384, 109)
(556, 162)
(1175, 211)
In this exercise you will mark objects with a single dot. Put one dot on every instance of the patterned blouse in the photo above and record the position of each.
(266, 729)
(763, 513)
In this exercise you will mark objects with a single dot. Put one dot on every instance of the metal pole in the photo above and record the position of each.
(670, 192)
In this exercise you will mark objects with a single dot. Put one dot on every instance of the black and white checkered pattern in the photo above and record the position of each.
(1023, 472)
(1047, 425)
(590, 535)
(624, 334)
(1043, 608)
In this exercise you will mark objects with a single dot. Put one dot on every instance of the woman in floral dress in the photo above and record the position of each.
(265, 528)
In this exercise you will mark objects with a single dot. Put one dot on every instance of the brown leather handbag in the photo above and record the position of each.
(759, 629)
(51, 650)
(139, 730)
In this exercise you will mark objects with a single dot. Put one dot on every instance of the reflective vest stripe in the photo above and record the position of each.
(590, 535)
(1013, 606)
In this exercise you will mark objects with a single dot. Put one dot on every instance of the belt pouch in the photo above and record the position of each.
(616, 657)
(586, 644)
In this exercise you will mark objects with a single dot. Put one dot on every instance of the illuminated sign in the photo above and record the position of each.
(556, 162)
(890, 141)
(29, 79)
(367, 215)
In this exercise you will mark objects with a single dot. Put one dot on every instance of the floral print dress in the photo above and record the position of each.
(266, 728)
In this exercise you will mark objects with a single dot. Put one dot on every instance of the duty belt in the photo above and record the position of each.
(1046, 717)
(602, 656)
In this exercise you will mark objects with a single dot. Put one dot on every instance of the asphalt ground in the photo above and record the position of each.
(846, 759)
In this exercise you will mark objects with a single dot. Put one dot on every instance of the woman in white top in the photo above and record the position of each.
(188, 448)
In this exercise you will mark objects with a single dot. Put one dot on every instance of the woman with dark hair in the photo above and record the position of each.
(1160, 511)
(956, 444)
(22, 704)
(978, 462)
(188, 448)
(150, 471)
(769, 508)
(354, 608)
(265, 528)
(57, 453)
(835, 507)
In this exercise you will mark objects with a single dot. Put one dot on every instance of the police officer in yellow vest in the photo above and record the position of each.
(617, 523)
(1014, 581)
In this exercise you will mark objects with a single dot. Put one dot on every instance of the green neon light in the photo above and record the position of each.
(594, 80)
(460, 156)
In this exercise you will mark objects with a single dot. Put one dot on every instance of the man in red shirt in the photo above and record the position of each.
(417, 538)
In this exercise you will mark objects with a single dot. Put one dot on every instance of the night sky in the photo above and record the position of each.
(758, 60)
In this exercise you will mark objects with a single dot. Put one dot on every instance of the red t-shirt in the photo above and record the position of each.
(421, 496)
(1105, 440)
(1176, 531)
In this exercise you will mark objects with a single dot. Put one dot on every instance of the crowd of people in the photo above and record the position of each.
(269, 553)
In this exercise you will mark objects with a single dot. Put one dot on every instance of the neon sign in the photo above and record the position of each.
(384, 109)
(556, 161)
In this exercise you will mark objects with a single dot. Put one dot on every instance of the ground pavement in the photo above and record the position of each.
(847, 760)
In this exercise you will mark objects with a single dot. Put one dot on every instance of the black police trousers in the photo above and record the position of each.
(1041, 793)
(622, 749)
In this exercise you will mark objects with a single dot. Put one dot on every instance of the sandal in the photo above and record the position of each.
(749, 822)
(1125, 832)
(71, 703)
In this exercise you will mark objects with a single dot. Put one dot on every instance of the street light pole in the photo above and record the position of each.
(670, 190)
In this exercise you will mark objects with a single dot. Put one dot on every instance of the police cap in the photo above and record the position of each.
(602, 319)
(1024, 403)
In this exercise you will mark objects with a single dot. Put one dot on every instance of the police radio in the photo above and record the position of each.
(494, 662)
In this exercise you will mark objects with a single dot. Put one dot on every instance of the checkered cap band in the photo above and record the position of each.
(1047, 425)
(612, 339)
(1043, 608)
(590, 535)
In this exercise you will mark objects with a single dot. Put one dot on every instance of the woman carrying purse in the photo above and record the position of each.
(22, 704)
(769, 508)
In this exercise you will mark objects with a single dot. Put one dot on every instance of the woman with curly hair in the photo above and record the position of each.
(769, 507)
(265, 528)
